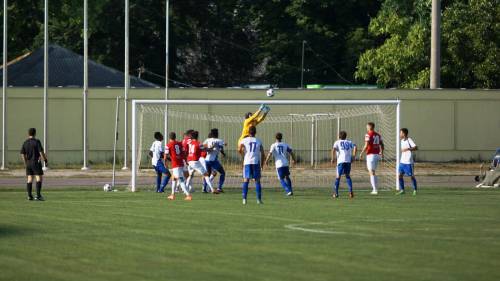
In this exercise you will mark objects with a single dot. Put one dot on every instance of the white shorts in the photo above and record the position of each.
(197, 166)
(203, 162)
(372, 161)
(178, 172)
(185, 168)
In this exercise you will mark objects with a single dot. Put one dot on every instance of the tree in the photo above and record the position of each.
(470, 38)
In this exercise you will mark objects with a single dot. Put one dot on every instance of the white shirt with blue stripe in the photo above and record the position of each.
(252, 150)
(280, 151)
(344, 150)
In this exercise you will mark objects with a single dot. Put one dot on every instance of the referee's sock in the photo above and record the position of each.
(29, 189)
(38, 189)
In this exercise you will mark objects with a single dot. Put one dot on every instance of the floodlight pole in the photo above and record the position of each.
(4, 85)
(435, 82)
(85, 83)
(126, 86)
(45, 75)
(167, 44)
(302, 67)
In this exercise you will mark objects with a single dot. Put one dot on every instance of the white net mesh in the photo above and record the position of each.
(310, 130)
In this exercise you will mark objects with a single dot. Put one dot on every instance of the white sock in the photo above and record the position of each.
(209, 183)
(373, 181)
(188, 182)
(174, 183)
(183, 187)
(212, 177)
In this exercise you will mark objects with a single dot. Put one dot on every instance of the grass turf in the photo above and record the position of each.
(442, 234)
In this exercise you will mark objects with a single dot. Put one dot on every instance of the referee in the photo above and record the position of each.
(32, 153)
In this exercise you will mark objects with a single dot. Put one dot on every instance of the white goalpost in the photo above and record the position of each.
(309, 126)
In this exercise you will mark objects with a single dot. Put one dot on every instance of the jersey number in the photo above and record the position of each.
(280, 150)
(376, 140)
(192, 148)
(253, 146)
(344, 145)
(177, 150)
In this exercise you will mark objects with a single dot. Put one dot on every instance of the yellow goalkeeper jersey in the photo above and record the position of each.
(253, 120)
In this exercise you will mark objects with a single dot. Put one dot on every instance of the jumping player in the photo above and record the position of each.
(280, 151)
(252, 151)
(194, 153)
(174, 150)
(214, 145)
(406, 161)
(156, 154)
(253, 120)
(374, 148)
(185, 142)
(343, 150)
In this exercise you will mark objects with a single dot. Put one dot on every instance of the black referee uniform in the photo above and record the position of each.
(32, 149)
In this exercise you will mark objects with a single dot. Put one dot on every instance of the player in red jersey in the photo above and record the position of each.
(185, 142)
(176, 153)
(374, 148)
(194, 153)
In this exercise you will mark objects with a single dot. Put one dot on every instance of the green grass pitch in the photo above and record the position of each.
(442, 234)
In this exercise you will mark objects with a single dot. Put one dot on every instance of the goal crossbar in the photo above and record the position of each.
(137, 102)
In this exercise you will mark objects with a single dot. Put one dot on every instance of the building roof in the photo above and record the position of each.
(65, 70)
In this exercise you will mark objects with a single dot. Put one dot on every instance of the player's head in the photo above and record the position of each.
(279, 136)
(248, 114)
(188, 133)
(370, 126)
(342, 135)
(172, 136)
(194, 135)
(403, 133)
(31, 132)
(252, 131)
(215, 133)
(158, 136)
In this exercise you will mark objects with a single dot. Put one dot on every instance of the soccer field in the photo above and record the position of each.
(441, 234)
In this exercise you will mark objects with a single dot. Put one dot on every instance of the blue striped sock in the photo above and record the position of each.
(245, 189)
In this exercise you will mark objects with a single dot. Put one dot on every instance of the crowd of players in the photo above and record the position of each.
(190, 156)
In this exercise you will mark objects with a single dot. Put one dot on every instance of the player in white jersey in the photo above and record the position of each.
(214, 146)
(156, 154)
(406, 161)
(280, 151)
(252, 151)
(344, 151)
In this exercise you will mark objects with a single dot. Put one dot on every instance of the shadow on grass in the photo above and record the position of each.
(11, 230)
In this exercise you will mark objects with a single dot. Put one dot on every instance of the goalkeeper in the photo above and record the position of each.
(253, 119)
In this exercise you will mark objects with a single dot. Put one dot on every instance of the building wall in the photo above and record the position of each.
(448, 125)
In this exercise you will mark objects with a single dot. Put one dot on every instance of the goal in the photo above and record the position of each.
(309, 126)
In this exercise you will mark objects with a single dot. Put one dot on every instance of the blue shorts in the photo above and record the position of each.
(283, 172)
(251, 171)
(160, 168)
(406, 169)
(343, 169)
(214, 165)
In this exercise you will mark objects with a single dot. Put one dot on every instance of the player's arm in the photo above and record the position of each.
(354, 151)
(382, 148)
(25, 161)
(292, 156)
(266, 162)
(262, 155)
(261, 117)
(241, 150)
(333, 154)
(363, 150)
(42, 153)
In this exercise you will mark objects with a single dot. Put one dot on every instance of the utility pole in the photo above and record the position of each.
(435, 82)
(302, 68)
(4, 86)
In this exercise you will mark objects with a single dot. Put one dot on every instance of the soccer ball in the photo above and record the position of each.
(107, 188)
(270, 93)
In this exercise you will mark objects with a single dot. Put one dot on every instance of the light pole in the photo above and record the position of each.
(85, 83)
(126, 86)
(45, 74)
(302, 68)
(167, 41)
(435, 82)
(4, 85)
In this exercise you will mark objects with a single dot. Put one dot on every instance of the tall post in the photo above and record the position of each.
(312, 141)
(435, 82)
(45, 74)
(85, 83)
(302, 67)
(167, 43)
(4, 86)
(398, 146)
(126, 86)
(117, 117)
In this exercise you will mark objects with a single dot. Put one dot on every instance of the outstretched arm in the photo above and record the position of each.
(266, 162)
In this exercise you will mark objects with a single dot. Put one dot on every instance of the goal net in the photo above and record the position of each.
(310, 127)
